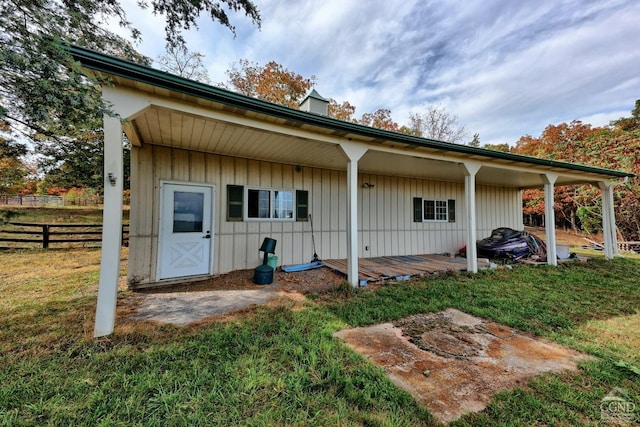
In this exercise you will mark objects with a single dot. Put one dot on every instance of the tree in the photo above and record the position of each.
(498, 147)
(380, 119)
(407, 130)
(343, 111)
(436, 123)
(556, 141)
(270, 82)
(77, 162)
(613, 147)
(45, 96)
(183, 15)
(42, 91)
(182, 62)
(12, 168)
(274, 83)
(475, 142)
(629, 123)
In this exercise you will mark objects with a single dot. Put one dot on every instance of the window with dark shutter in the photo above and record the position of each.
(302, 205)
(235, 196)
(451, 208)
(427, 210)
(417, 209)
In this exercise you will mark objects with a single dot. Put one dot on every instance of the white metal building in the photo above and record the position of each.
(214, 172)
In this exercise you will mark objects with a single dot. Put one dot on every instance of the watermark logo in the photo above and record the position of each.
(617, 408)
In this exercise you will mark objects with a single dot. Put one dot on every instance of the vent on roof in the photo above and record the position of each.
(314, 103)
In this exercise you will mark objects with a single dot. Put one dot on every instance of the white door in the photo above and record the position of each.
(186, 234)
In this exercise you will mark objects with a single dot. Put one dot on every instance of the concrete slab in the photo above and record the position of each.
(452, 362)
(181, 308)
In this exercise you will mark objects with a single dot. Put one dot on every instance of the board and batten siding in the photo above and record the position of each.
(385, 209)
(497, 207)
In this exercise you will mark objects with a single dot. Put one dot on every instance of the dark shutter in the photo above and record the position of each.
(451, 208)
(417, 209)
(302, 205)
(235, 198)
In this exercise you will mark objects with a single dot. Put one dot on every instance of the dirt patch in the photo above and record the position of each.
(452, 362)
(566, 237)
(318, 280)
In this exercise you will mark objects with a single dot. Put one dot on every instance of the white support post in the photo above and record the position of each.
(354, 152)
(549, 180)
(612, 221)
(470, 170)
(111, 228)
(608, 220)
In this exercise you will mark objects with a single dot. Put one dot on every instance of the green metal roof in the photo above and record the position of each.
(315, 95)
(111, 65)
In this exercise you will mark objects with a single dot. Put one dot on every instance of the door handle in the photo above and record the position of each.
(208, 236)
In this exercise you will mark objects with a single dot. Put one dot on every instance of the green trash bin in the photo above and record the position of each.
(263, 275)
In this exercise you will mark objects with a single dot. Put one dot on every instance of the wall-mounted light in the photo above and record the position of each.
(367, 185)
(112, 179)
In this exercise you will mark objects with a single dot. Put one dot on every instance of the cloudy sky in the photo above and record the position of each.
(506, 68)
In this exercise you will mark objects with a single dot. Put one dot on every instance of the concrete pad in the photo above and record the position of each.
(182, 308)
(452, 362)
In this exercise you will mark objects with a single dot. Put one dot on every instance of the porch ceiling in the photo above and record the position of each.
(442, 170)
(173, 128)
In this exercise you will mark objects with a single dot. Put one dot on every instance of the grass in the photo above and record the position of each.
(538, 299)
(280, 365)
(55, 215)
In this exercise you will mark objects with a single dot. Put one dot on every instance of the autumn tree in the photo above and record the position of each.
(181, 61)
(559, 142)
(343, 111)
(12, 168)
(380, 119)
(614, 147)
(274, 83)
(556, 141)
(270, 82)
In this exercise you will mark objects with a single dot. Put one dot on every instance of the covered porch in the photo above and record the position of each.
(184, 131)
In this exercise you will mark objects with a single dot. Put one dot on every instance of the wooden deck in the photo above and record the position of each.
(398, 267)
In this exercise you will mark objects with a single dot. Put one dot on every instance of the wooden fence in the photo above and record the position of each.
(30, 235)
(629, 246)
(28, 200)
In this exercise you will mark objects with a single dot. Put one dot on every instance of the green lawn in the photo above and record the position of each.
(281, 365)
(55, 215)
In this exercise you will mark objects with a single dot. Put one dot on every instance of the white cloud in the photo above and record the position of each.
(604, 118)
(505, 68)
